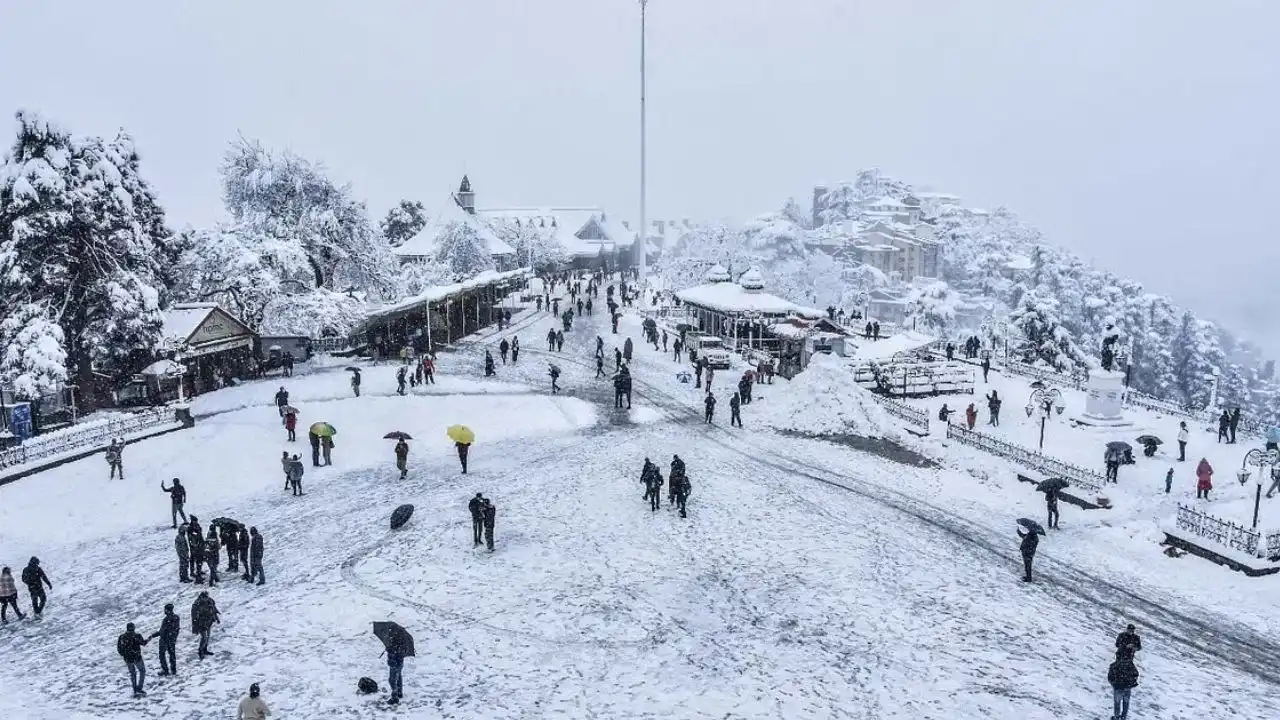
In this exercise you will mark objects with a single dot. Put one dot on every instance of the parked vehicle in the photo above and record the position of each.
(712, 348)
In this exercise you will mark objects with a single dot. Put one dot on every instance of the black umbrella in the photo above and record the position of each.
(397, 435)
(1031, 525)
(1052, 485)
(1119, 446)
(394, 638)
(352, 369)
(1150, 440)
(400, 516)
(219, 521)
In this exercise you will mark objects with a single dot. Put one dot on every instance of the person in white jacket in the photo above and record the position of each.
(1183, 436)
(252, 707)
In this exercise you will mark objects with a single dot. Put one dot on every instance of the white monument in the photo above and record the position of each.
(1104, 405)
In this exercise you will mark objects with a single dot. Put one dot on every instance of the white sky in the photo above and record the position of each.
(1139, 133)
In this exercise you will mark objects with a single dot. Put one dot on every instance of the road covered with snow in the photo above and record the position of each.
(809, 580)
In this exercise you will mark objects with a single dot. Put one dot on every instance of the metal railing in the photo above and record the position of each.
(95, 435)
(330, 344)
(1273, 547)
(904, 412)
(1222, 532)
(1051, 466)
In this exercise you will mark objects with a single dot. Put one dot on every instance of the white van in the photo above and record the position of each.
(713, 349)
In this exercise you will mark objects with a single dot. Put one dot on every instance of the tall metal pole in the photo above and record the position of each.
(642, 235)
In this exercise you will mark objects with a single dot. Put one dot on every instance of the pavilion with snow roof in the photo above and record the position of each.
(740, 312)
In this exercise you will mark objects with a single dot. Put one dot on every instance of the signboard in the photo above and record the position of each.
(20, 422)
(209, 349)
(217, 326)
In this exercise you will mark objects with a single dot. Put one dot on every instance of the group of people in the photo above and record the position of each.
(483, 517)
(197, 551)
(1228, 424)
(34, 578)
(678, 486)
(204, 615)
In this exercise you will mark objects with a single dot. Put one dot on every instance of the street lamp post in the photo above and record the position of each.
(642, 235)
(1046, 400)
(1259, 459)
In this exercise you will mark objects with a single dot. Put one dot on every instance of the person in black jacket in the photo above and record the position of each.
(735, 410)
(1128, 641)
(255, 557)
(184, 554)
(210, 553)
(1051, 505)
(34, 578)
(229, 537)
(490, 517)
(129, 645)
(177, 496)
(282, 399)
(169, 628)
(710, 403)
(315, 446)
(1030, 541)
(195, 542)
(680, 487)
(204, 613)
(244, 549)
(476, 507)
(1123, 676)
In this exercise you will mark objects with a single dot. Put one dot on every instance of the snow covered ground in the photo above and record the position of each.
(809, 580)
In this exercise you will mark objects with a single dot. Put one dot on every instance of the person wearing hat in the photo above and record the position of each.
(34, 578)
(129, 645)
(252, 707)
(1128, 641)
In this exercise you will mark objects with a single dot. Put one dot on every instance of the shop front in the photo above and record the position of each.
(213, 347)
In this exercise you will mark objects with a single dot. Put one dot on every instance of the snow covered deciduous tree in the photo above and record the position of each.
(461, 249)
(931, 308)
(33, 361)
(403, 222)
(533, 241)
(234, 268)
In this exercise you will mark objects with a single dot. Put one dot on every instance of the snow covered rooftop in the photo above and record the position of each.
(886, 202)
(424, 243)
(751, 280)
(732, 297)
(182, 320)
(440, 292)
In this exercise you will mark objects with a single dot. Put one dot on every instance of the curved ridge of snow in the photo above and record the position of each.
(823, 399)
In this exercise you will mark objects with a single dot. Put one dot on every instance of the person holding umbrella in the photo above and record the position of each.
(314, 439)
(398, 644)
(1051, 507)
(291, 423)
(402, 452)
(462, 438)
(1030, 542)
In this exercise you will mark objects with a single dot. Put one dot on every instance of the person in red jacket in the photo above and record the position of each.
(428, 370)
(291, 424)
(1204, 479)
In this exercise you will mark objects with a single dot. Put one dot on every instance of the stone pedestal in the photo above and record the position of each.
(1104, 406)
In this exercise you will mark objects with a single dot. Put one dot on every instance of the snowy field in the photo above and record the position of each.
(809, 580)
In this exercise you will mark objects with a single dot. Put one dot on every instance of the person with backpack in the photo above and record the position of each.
(681, 488)
(295, 476)
(1123, 676)
(1030, 542)
(993, 407)
(34, 578)
(204, 613)
(8, 596)
(282, 399)
(476, 507)
(1128, 641)
(177, 497)
(402, 458)
(115, 459)
(555, 375)
(503, 348)
(170, 626)
(129, 645)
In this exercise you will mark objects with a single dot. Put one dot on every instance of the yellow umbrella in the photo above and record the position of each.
(323, 429)
(461, 434)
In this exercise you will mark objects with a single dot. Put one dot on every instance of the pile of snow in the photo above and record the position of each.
(823, 399)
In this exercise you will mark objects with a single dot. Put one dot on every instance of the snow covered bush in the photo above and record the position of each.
(33, 362)
(318, 313)
(824, 400)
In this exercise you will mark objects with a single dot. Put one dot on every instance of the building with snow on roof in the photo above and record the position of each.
(738, 311)
(210, 345)
(459, 210)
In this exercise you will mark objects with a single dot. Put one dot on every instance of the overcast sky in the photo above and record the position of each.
(1141, 133)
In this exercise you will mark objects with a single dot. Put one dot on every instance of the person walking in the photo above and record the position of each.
(252, 707)
(1204, 479)
(210, 553)
(675, 477)
(282, 399)
(315, 451)
(8, 596)
(428, 370)
(599, 367)
(129, 645)
(1183, 437)
(177, 497)
(170, 627)
(204, 613)
(515, 349)
(463, 450)
(326, 447)
(735, 410)
(402, 458)
(34, 578)
(503, 348)
(255, 557)
(680, 486)
(599, 346)
(664, 340)
(490, 517)
(627, 349)
(115, 459)
(488, 364)
(1123, 676)
(554, 372)
(355, 383)
(993, 407)
(1030, 541)
(1051, 505)
(710, 373)
(710, 405)
(676, 348)
(652, 479)
(1275, 482)
(395, 674)
(291, 426)
(551, 340)
(402, 379)
(1234, 424)
(295, 475)
(1224, 426)
(986, 368)
(1128, 641)
(1168, 482)
(476, 507)
(181, 547)
(617, 359)
(286, 463)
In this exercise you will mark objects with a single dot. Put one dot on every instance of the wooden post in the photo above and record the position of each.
(448, 322)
